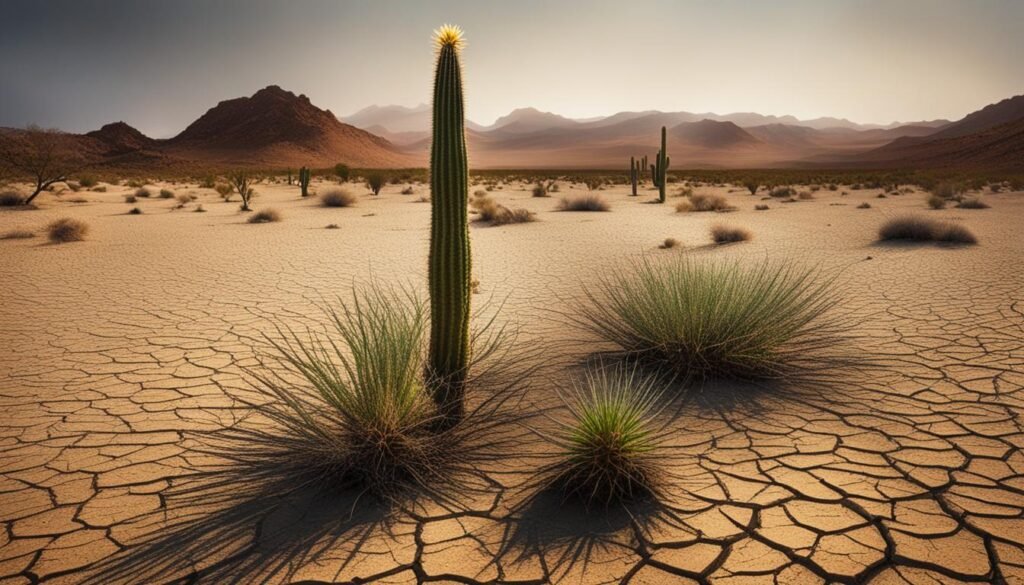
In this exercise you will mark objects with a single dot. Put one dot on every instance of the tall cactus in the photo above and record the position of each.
(304, 177)
(449, 262)
(634, 173)
(660, 167)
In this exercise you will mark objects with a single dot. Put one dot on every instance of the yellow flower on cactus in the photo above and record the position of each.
(449, 35)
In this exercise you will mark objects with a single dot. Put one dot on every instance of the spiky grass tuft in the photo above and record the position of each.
(698, 319)
(608, 443)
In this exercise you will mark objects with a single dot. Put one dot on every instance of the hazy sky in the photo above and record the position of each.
(159, 64)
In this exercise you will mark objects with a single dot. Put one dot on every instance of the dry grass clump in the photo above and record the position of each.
(972, 203)
(936, 202)
(761, 207)
(782, 192)
(669, 243)
(349, 406)
(337, 198)
(17, 235)
(67, 230)
(135, 211)
(610, 440)
(265, 216)
(864, 205)
(923, 229)
(725, 234)
(806, 195)
(143, 193)
(333, 226)
(584, 203)
(224, 190)
(166, 194)
(491, 211)
(701, 319)
(130, 198)
(408, 190)
(705, 202)
(10, 199)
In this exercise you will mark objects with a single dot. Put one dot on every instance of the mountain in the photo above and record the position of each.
(712, 134)
(120, 138)
(397, 120)
(1000, 146)
(276, 127)
(990, 116)
(525, 120)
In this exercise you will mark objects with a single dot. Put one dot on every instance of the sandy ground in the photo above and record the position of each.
(114, 346)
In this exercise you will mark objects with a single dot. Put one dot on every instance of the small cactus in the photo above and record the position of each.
(304, 176)
(634, 173)
(449, 261)
(659, 169)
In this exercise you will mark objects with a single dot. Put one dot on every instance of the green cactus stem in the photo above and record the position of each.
(659, 169)
(304, 176)
(449, 261)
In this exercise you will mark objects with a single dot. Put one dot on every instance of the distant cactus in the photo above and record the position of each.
(304, 176)
(289, 176)
(634, 173)
(659, 169)
(449, 263)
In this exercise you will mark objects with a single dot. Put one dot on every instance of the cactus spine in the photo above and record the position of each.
(660, 167)
(634, 173)
(304, 181)
(449, 261)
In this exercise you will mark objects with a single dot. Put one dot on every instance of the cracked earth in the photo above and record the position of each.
(116, 347)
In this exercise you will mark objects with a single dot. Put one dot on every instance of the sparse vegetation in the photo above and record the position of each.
(40, 155)
(491, 211)
(143, 193)
(342, 172)
(166, 194)
(972, 203)
(337, 198)
(761, 207)
(242, 182)
(17, 235)
(584, 203)
(725, 234)
(705, 202)
(10, 199)
(936, 202)
(408, 190)
(864, 205)
(610, 439)
(701, 319)
(67, 230)
(134, 211)
(375, 182)
(265, 216)
(923, 229)
(669, 243)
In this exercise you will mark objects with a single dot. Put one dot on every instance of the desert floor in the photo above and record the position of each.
(115, 347)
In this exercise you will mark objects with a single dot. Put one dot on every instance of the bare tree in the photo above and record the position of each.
(242, 182)
(41, 155)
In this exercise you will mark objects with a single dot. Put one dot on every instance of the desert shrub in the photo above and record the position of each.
(491, 211)
(166, 194)
(199, 209)
(130, 198)
(702, 319)
(479, 193)
(224, 190)
(684, 206)
(184, 199)
(67, 230)
(10, 199)
(923, 229)
(946, 190)
(684, 192)
(781, 192)
(78, 200)
(761, 207)
(17, 235)
(610, 439)
(725, 234)
(337, 198)
(265, 216)
(75, 187)
(751, 186)
(864, 205)
(540, 190)
(936, 202)
(333, 226)
(408, 190)
(669, 243)
(705, 202)
(584, 203)
(87, 181)
(375, 182)
(100, 189)
(135, 183)
(342, 172)
(972, 203)
(134, 211)
(805, 195)
(143, 193)
(207, 182)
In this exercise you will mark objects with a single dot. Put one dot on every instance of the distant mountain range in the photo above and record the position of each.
(275, 128)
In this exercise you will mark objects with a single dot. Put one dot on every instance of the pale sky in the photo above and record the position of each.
(159, 64)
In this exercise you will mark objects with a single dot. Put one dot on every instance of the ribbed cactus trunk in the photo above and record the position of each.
(634, 173)
(449, 262)
(659, 169)
(304, 181)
